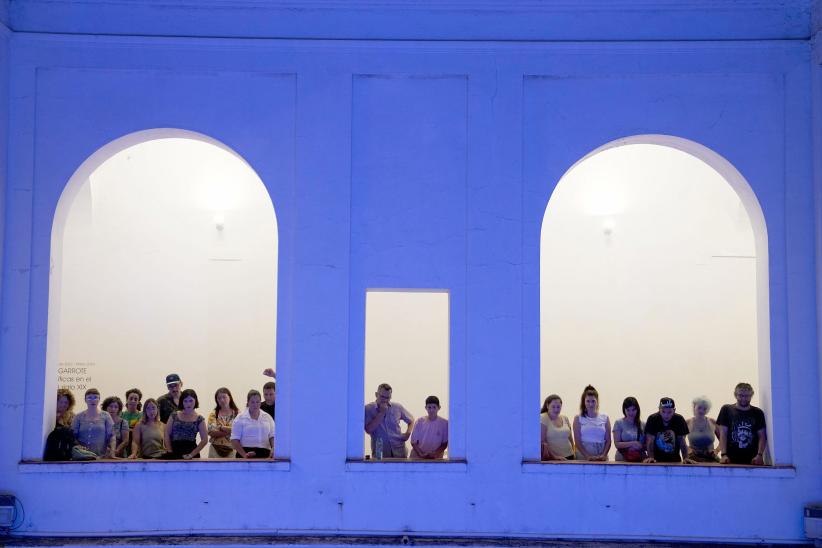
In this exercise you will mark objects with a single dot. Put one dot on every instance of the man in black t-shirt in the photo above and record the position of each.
(170, 402)
(665, 433)
(742, 434)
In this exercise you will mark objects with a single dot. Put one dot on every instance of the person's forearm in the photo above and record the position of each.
(374, 423)
(763, 445)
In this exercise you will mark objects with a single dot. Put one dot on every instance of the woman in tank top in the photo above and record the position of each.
(149, 433)
(557, 443)
(592, 429)
(182, 429)
(702, 432)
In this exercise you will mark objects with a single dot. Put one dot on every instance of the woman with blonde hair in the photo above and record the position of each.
(65, 407)
(555, 431)
(148, 434)
(702, 432)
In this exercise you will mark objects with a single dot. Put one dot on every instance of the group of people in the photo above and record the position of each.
(665, 436)
(168, 427)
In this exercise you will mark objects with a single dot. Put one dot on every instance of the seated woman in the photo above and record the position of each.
(629, 433)
(94, 429)
(592, 429)
(114, 406)
(65, 407)
(182, 429)
(219, 424)
(702, 432)
(252, 433)
(555, 431)
(148, 434)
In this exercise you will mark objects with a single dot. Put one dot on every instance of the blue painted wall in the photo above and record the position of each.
(415, 164)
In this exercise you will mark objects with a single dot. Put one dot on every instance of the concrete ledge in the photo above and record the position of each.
(613, 468)
(404, 465)
(123, 465)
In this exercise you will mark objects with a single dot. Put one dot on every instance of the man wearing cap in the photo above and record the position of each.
(665, 434)
(170, 402)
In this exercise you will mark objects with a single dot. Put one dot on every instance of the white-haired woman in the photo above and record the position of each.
(702, 432)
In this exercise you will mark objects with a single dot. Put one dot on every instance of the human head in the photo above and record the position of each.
(92, 397)
(589, 398)
(174, 384)
(225, 392)
(743, 394)
(113, 400)
(253, 400)
(546, 405)
(151, 408)
(269, 392)
(627, 404)
(65, 400)
(133, 398)
(667, 408)
(189, 393)
(432, 406)
(701, 406)
(383, 393)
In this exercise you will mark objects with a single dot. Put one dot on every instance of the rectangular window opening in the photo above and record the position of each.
(407, 347)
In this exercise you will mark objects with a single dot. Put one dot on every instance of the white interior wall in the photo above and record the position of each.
(407, 346)
(648, 283)
(151, 285)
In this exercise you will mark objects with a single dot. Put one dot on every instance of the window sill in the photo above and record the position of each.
(124, 465)
(613, 468)
(405, 465)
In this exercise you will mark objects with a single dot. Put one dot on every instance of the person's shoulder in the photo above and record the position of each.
(442, 420)
(370, 405)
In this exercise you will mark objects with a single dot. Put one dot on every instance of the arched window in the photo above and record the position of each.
(653, 280)
(164, 260)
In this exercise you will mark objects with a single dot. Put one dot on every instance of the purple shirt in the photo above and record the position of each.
(390, 431)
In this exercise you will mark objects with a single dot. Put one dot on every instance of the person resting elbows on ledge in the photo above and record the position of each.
(252, 433)
(665, 435)
(182, 429)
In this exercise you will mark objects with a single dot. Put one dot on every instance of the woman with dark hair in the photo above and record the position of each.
(252, 434)
(182, 429)
(219, 424)
(555, 431)
(94, 429)
(629, 433)
(592, 429)
(131, 413)
(148, 434)
(114, 406)
(65, 407)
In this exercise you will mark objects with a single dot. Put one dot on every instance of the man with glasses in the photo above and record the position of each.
(742, 435)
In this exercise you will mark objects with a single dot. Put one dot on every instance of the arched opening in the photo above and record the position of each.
(654, 281)
(163, 260)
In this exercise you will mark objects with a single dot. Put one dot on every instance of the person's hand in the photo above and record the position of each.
(187, 456)
(250, 455)
(758, 460)
(688, 461)
(269, 373)
(133, 456)
(725, 460)
(382, 406)
(649, 460)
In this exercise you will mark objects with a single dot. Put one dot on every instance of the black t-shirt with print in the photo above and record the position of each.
(666, 436)
(743, 431)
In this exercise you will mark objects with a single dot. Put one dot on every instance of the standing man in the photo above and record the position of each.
(170, 402)
(269, 393)
(742, 435)
(665, 433)
(382, 421)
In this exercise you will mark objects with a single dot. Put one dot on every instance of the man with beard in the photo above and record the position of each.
(742, 434)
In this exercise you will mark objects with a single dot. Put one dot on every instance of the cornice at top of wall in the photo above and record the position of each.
(551, 20)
